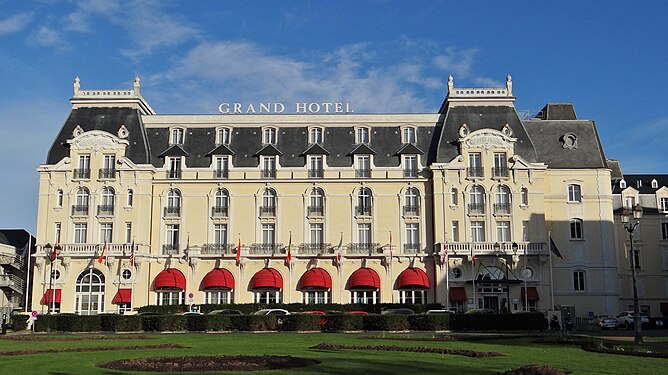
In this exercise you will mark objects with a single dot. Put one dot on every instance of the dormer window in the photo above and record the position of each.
(639, 183)
(315, 135)
(223, 136)
(408, 135)
(177, 136)
(269, 136)
(362, 135)
(622, 184)
(629, 202)
(655, 184)
(663, 204)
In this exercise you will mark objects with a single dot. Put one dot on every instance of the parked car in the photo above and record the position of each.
(187, 313)
(606, 322)
(626, 318)
(225, 312)
(480, 311)
(356, 312)
(272, 312)
(398, 312)
(313, 312)
(441, 311)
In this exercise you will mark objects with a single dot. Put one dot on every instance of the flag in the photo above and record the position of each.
(186, 251)
(100, 258)
(53, 254)
(288, 258)
(444, 250)
(339, 252)
(390, 245)
(472, 256)
(238, 256)
(554, 249)
(132, 254)
(25, 250)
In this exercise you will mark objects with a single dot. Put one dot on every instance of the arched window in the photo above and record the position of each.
(502, 205)
(622, 184)
(107, 197)
(177, 136)
(315, 135)
(412, 201)
(408, 135)
(454, 198)
(222, 198)
(268, 203)
(574, 194)
(525, 196)
(269, 136)
(576, 229)
(362, 135)
(477, 200)
(364, 201)
(82, 197)
(223, 136)
(130, 198)
(316, 202)
(89, 292)
(174, 198)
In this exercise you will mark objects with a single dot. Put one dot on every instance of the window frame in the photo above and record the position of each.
(316, 135)
(177, 136)
(409, 135)
(269, 135)
(223, 135)
(574, 193)
(579, 281)
(362, 135)
(576, 229)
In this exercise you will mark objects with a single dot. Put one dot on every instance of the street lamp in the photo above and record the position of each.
(52, 253)
(499, 253)
(636, 213)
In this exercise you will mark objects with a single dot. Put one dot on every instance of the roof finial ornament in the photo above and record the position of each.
(136, 85)
(77, 85)
(451, 83)
(509, 84)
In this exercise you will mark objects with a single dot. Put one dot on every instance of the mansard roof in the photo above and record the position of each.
(645, 185)
(409, 149)
(173, 150)
(362, 149)
(268, 150)
(221, 150)
(315, 149)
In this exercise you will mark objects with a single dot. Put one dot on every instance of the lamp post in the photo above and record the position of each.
(499, 253)
(636, 213)
(52, 253)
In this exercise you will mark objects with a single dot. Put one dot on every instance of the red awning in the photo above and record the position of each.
(364, 277)
(458, 293)
(316, 277)
(49, 297)
(170, 278)
(218, 278)
(267, 278)
(531, 294)
(124, 295)
(413, 277)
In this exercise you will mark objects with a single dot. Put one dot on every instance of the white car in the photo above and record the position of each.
(272, 312)
(626, 319)
(606, 321)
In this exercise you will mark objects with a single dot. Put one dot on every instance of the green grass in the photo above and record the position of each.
(517, 352)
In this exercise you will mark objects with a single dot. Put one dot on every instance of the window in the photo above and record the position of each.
(315, 295)
(362, 135)
(524, 195)
(82, 197)
(106, 232)
(126, 274)
(268, 166)
(83, 170)
(266, 296)
(453, 197)
(412, 202)
(455, 231)
(315, 166)
(223, 136)
(664, 231)
(364, 202)
(622, 184)
(655, 184)
(177, 136)
(316, 234)
(579, 280)
(57, 232)
(500, 164)
(410, 166)
(502, 205)
(268, 234)
(268, 203)
(130, 198)
(269, 136)
(108, 167)
(574, 193)
(172, 237)
(80, 232)
(221, 203)
(363, 166)
(475, 165)
(478, 231)
(59, 198)
(174, 167)
(106, 206)
(413, 295)
(222, 166)
(477, 200)
(663, 204)
(315, 135)
(316, 202)
(219, 296)
(220, 234)
(525, 231)
(170, 296)
(173, 203)
(412, 244)
(629, 202)
(89, 292)
(576, 229)
(408, 135)
(503, 231)
(128, 232)
(364, 295)
(636, 259)
(364, 234)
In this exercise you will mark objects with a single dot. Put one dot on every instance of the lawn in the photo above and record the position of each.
(516, 352)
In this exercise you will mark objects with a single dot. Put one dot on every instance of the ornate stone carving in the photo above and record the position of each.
(464, 131)
(77, 131)
(507, 130)
(123, 132)
(569, 141)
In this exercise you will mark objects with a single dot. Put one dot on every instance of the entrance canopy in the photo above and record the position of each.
(413, 277)
(457, 293)
(124, 295)
(316, 278)
(170, 278)
(218, 278)
(364, 277)
(267, 278)
(49, 297)
(531, 293)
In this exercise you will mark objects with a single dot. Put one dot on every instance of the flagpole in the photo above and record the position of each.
(475, 299)
(391, 261)
(339, 257)
(28, 273)
(289, 259)
(447, 276)
(526, 293)
(549, 237)
(134, 274)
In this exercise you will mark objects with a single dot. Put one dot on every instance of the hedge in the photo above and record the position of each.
(254, 322)
(429, 322)
(218, 323)
(120, 323)
(375, 322)
(163, 323)
(18, 322)
(302, 322)
(249, 308)
(343, 322)
(498, 322)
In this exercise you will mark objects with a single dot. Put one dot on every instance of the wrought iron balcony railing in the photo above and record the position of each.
(269, 173)
(266, 249)
(218, 248)
(412, 248)
(474, 172)
(363, 210)
(315, 211)
(316, 173)
(364, 248)
(502, 208)
(363, 173)
(82, 173)
(500, 172)
(105, 210)
(80, 210)
(170, 249)
(219, 211)
(411, 210)
(477, 208)
(268, 211)
(107, 173)
(176, 173)
(411, 172)
(221, 173)
(316, 248)
(172, 211)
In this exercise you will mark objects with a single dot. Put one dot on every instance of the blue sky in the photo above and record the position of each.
(607, 57)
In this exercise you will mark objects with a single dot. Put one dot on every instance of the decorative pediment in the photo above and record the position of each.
(487, 139)
(97, 140)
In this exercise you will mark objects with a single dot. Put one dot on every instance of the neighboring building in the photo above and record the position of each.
(14, 247)
(650, 242)
(364, 205)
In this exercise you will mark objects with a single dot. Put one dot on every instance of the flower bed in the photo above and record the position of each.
(414, 349)
(210, 363)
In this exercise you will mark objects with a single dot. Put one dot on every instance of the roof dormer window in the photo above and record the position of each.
(269, 136)
(408, 135)
(622, 184)
(655, 184)
(315, 136)
(362, 135)
(639, 183)
(177, 136)
(223, 136)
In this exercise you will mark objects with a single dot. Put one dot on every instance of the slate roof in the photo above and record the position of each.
(221, 150)
(173, 150)
(15, 237)
(646, 186)
(557, 111)
(315, 149)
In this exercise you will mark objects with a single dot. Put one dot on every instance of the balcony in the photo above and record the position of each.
(107, 173)
(80, 210)
(410, 173)
(174, 174)
(363, 210)
(411, 210)
(82, 174)
(502, 208)
(218, 249)
(315, 211)
(88, 250)
(105, 210)
(172, 211)
(269, 173)
(362, 173)
(476, 208)
(412, 248)
(316, 173)
(221, 173)
(316, 248)
(266, 249)
(170, 249)
(364, 248)
(500, 172)
(13, 282)
(475, 172)
(487, 249)
(268, 211)
(219, 211)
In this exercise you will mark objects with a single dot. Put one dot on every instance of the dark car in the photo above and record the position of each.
(398, 312)
(225, 312)
(480, 311)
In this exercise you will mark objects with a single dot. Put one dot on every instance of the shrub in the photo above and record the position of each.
(253, 322)
(344, 322)
(217, 323)
(429, 322)
(303, 322)
(196, 323)
(163, 323)
(164, 309)
(18, 322)
(375, 322)
(120, 323)
(500, 322)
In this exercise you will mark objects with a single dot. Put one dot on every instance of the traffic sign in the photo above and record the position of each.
(190, 295)
(34, 314)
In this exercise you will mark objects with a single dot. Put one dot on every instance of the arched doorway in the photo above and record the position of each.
(89, 292)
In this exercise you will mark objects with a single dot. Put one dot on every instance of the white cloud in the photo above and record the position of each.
(47, 37)
(15, 23)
